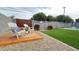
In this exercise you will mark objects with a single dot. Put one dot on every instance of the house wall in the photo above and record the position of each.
(4, 23)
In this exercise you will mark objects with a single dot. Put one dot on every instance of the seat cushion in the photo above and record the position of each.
(15, 29)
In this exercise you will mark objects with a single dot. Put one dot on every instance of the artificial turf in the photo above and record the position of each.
(70, 37)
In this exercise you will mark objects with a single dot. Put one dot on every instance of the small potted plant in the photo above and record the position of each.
(37, 27)
(49, 27)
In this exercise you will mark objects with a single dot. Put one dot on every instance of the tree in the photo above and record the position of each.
(39, 17)
(50, 18)
(68, 19)
(77, 20)
(60, 18)
(63, 18)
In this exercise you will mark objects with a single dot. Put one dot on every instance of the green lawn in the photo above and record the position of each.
(70, 37)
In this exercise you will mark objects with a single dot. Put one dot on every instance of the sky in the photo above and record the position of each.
(23, 12)
(30, 7)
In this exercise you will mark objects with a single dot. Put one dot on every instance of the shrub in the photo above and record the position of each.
(49, 27)
(37, 27)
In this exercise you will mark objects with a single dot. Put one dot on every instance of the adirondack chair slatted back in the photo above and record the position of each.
(14, 28)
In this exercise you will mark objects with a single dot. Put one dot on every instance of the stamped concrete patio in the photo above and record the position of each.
(46, 44)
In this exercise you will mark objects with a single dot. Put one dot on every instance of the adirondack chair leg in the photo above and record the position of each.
(17, 36)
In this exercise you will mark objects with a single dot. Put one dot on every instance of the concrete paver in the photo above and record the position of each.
(46, 44)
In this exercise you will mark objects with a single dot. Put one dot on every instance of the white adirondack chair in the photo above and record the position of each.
(14, 29)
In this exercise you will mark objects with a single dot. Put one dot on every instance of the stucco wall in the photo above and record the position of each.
(3, 23)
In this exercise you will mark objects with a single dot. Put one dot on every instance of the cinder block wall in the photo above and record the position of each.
(44, 25)
(21, 22)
